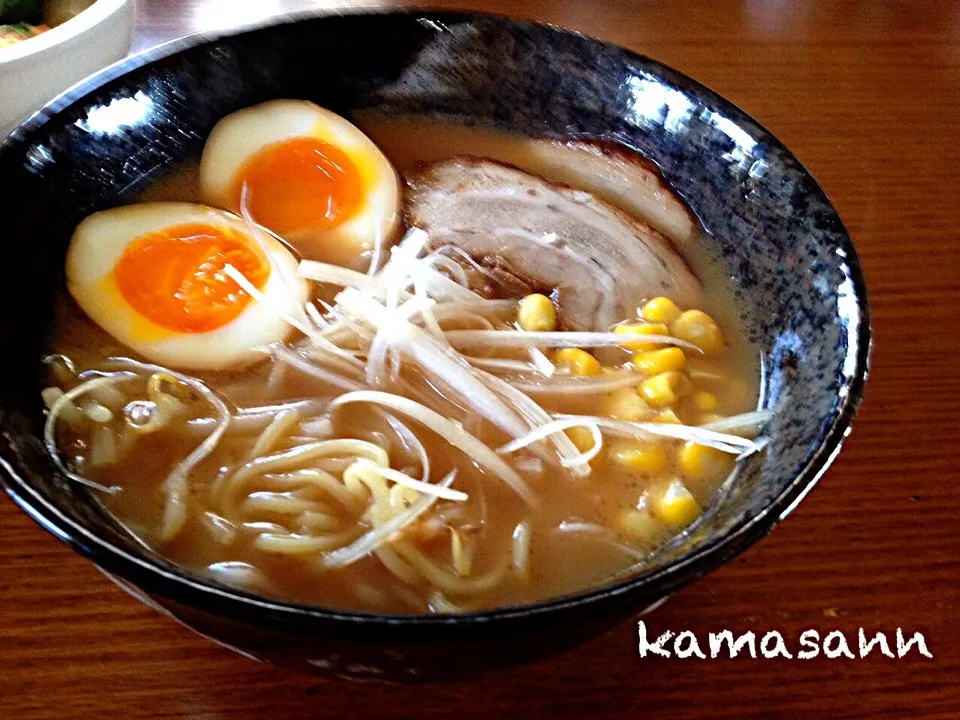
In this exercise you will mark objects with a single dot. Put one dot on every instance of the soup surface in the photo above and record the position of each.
(269, 502)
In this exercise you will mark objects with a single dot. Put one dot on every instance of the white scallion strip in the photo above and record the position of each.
(405, 268)
(760, 444)
(238, 574)
(710, 438)
(436, 284)
(370, 541)
(259, 233)
(587, 455)
(520, 550)
(733, 444)
(752, 421)
(452, 289)
(448, 430)
(389, 332)
(465, 257)
(460, 557)
(536, 416)
(555, 339)
(455, 270)
(264, 527)
(320, 427)
(248, 287)
(323, 346)
(305, 407)
(503, 364)
(542, 362)
(530, 465)
(407, 481)
(437, 360)
(50, 426)
(318, 319)
(333, 356)
(294, 359)
(727, 443)
(337, 275)
(699, 375)
(410, 246)
(567, 385)
(343, 325)
(603, 534)
(429, 319)
(255, 419)
(275, 379)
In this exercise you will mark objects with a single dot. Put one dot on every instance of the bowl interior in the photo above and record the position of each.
(787, 255)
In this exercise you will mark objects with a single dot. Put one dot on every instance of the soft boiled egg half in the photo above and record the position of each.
(155, 277)
(308, 175)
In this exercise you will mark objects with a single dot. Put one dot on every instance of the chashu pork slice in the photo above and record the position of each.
(535, 235)
(620, 176)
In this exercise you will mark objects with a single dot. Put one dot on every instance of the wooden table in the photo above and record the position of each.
(867, 94)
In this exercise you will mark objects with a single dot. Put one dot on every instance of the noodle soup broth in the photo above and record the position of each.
(278, 507)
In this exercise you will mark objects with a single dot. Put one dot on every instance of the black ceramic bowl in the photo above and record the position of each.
(787, 254)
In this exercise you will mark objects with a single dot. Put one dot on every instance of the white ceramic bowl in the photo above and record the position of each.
(35, 71)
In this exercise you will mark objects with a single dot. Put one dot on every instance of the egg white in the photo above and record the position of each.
(246, 132)
(97, 246)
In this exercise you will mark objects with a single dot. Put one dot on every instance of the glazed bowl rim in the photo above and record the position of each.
(192, 591)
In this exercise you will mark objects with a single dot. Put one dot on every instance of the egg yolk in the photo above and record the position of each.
(174, 277)
(299, 183)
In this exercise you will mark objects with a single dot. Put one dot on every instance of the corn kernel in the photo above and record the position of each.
(696, 327)
(578, 362)
(654, 362)
(641, 458)
(704, 464)
(638, 526)
(626, 404)
(581, 437)
(675, 506)
(661, 310)
(641, 329)
(704, 401)
(667, 416)
(537, 314)
(665, 388)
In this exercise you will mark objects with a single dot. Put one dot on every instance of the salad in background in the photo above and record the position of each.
(24, 19)
(37, 64)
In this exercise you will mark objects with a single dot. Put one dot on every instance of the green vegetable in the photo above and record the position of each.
(21, 11)
(21, 29)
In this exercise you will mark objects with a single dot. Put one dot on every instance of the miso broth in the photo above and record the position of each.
(270, 532)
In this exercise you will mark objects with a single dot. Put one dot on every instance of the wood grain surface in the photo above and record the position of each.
(867, 94)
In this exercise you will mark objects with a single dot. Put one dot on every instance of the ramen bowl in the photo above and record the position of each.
(792, 266)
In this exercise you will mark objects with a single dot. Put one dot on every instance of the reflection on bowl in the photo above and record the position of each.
(34, 71)
(782, 244)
